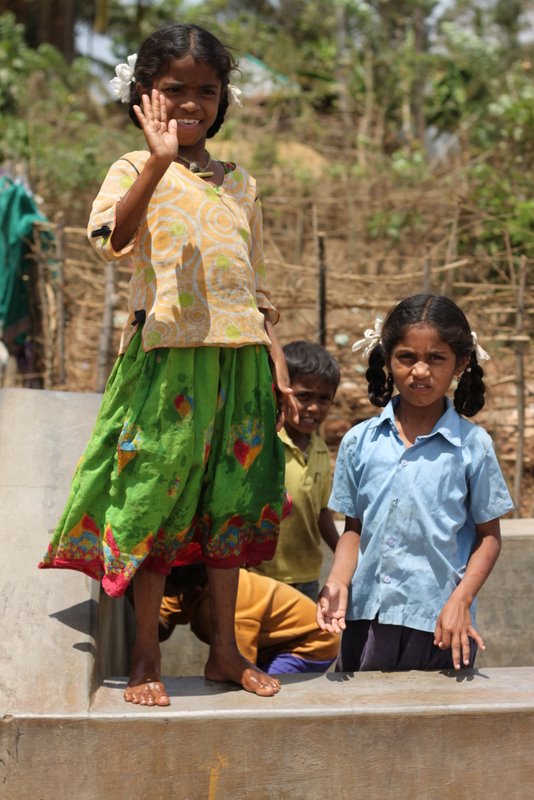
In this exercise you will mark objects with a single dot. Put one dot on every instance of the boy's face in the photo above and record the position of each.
(314, 396)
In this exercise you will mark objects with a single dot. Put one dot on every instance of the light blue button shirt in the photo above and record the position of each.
(418, 507)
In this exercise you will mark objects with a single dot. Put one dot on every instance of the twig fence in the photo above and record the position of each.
(78, 309)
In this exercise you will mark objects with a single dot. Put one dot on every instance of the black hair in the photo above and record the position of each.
(177, 41)
(309, 358)
(452, 326)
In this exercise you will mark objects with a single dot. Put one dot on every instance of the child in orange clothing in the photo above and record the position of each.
(275, 624)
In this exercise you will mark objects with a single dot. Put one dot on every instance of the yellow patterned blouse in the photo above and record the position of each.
(197, 257)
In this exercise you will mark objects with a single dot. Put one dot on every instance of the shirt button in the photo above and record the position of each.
(386, 579)
(390, 541)
(395, 501)
(404, 463)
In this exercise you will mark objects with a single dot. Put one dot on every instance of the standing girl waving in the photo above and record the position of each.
(184, 463)
(422, 493)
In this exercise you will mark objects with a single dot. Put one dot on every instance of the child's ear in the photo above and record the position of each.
(140, 90)
(461, 366)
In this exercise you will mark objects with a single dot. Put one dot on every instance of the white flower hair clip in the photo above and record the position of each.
(480, 352)
(234, 95)
(371, 339)
(120, 85)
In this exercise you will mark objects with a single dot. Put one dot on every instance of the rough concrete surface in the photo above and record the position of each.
(66, 733)
(372, 735)
(506, 601)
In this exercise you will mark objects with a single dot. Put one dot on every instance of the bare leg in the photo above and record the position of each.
(225, 662)
(145, 687)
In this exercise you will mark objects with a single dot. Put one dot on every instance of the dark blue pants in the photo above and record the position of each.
(369, 645)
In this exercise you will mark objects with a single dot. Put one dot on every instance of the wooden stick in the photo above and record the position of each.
(520, 384)
(59, 292)
(321, 281)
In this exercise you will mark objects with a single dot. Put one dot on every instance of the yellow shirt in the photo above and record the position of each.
(197, 257)
(298, 554)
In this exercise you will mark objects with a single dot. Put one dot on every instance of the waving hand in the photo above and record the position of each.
(160, 133)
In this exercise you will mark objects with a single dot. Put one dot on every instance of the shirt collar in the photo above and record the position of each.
(448, 425)
(286, 438)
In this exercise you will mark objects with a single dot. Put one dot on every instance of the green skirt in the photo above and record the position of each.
(184, 464)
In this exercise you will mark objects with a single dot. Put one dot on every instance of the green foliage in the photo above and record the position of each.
(14, 58)
(371, 77)
(49, 126)
(390, 224)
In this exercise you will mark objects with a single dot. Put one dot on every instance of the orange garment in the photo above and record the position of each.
(197, 257)
(271, 618)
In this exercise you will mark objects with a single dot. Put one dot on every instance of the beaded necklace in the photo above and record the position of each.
(195, 168)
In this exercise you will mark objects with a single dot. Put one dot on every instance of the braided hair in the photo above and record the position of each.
(177, 41)
(451, 324)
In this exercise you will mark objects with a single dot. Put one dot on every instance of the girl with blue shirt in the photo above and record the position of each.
(422, 495)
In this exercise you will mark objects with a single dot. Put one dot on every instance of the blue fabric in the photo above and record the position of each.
(418, 507)
(369, 645)
(287, 663)
(309, 588)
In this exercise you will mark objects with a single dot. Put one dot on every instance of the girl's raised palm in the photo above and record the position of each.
(161, 134)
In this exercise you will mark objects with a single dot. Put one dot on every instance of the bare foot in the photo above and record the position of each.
(145, 687)
(234, 668)
(148, 693)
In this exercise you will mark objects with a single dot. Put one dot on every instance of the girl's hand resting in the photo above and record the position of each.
(332, 607)
(287, 405)
(453, 629)
(161, 134)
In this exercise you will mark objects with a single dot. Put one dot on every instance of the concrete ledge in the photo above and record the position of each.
(506, 601)
(47, 647)
(505, 604)
(49, 618)
(379, 736)
(411, 735)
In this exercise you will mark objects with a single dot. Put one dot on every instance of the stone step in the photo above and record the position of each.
(405, 735)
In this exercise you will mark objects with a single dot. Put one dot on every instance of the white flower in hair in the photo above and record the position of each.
(370, 340)
(480, 352)
(120, 85)
(234, 95)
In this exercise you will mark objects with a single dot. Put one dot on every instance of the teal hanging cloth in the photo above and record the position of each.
(18, 213)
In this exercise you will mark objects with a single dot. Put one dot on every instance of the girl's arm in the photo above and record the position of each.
(287, 405)
(327, 528)
(162, 140)
(333, 597)
(454, 624)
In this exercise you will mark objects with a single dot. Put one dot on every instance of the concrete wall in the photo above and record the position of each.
(64, 733)
(506, 601)
(49, 619)
(504, 609)
(414, 735)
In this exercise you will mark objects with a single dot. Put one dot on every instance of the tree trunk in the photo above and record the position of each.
(56, 25)
(46, 21)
